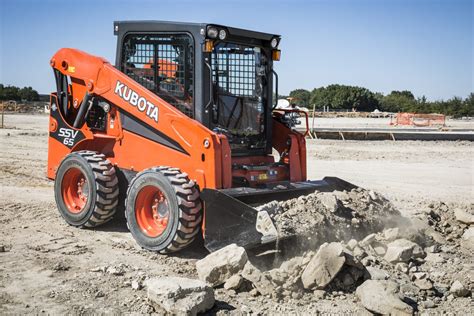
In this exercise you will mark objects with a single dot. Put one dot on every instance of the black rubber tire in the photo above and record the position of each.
(102, 196)
(185, 209)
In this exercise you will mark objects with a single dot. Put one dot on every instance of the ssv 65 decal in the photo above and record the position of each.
(63, 133)
(142, 104)
(68, 136)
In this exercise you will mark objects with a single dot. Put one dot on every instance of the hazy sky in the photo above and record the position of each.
(425, 46)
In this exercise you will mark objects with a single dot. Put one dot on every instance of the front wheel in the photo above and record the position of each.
(163, 209)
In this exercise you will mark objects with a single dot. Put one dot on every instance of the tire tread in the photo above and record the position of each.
(189, 206)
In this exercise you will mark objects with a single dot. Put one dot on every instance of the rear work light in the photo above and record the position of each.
(222, 34)
(212, 32)
(274, 42)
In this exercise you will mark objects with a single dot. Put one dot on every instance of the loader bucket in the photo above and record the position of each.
(231, 215)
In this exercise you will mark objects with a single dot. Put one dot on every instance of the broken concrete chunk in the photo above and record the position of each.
(234, 282)
(330, 202)
(217, 267)
(319, 294)
(368, 240)
(259, 280)
(136, 285)
(359, 252)
(373, 195)
(433, 249)
(351, 244)
(381, 296)
(117, 270)
(428, 304)
(292, 266)
(391, 233)
(434, 258)
(180, 296)
(458, 289)
(402, 250)
(325, 265)
(380, 250)
(424, 284)
(469, 233)
(377, 274)
(467, 241)
(277, 276)
(464, 216)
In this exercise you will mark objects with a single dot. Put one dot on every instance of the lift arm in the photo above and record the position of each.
(201, 151)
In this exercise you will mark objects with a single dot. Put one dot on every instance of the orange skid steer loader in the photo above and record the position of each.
(178, 135)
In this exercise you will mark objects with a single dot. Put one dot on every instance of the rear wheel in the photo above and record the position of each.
(163, 209)
(86, 189)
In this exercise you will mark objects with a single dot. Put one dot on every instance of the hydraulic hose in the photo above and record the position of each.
(82, 110)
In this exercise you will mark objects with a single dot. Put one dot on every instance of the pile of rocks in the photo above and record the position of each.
(332, 216)
(396, 270)
(389, 272)
(448, 225)
(332, 268)
(421, 260)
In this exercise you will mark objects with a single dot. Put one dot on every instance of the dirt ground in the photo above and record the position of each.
(50, 267)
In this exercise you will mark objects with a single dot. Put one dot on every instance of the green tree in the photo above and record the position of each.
(399, 101)
(28, 94)
(468, 106)
(10, 93)
(301, 97)
(15, 93)
(341, 97)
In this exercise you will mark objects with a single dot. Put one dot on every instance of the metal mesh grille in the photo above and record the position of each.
(164, 65)
(234, 69)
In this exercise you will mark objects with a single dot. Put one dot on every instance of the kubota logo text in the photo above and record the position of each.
(134, 99)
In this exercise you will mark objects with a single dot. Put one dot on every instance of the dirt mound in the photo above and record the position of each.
(329, 216)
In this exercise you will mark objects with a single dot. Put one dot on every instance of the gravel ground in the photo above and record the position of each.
(48, 266)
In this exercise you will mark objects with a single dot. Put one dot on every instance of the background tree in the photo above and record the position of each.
(301, 97)
(342, 97)
(10, 93)
(399, 101)
(28, 94)
(17, 94)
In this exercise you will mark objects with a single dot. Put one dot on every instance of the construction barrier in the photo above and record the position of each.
(418, 119)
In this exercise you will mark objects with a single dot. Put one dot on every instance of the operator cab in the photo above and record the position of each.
(220, 76)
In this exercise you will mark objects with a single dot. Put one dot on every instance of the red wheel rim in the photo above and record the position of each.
(75, 190)
(151, 211)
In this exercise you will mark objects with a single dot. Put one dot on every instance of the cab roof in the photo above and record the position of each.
(196, 28)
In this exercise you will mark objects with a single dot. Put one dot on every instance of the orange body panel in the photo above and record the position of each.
(205, 156)
(292, 149)
(130, 151)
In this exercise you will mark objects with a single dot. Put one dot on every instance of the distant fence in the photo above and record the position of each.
(418, 119)
(11, 107)
(23, 107)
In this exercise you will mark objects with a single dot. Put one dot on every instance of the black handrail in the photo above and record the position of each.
(276, 89)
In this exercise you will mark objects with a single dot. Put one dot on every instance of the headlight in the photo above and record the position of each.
(222, 35)
(212, 32)
(274, 42)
